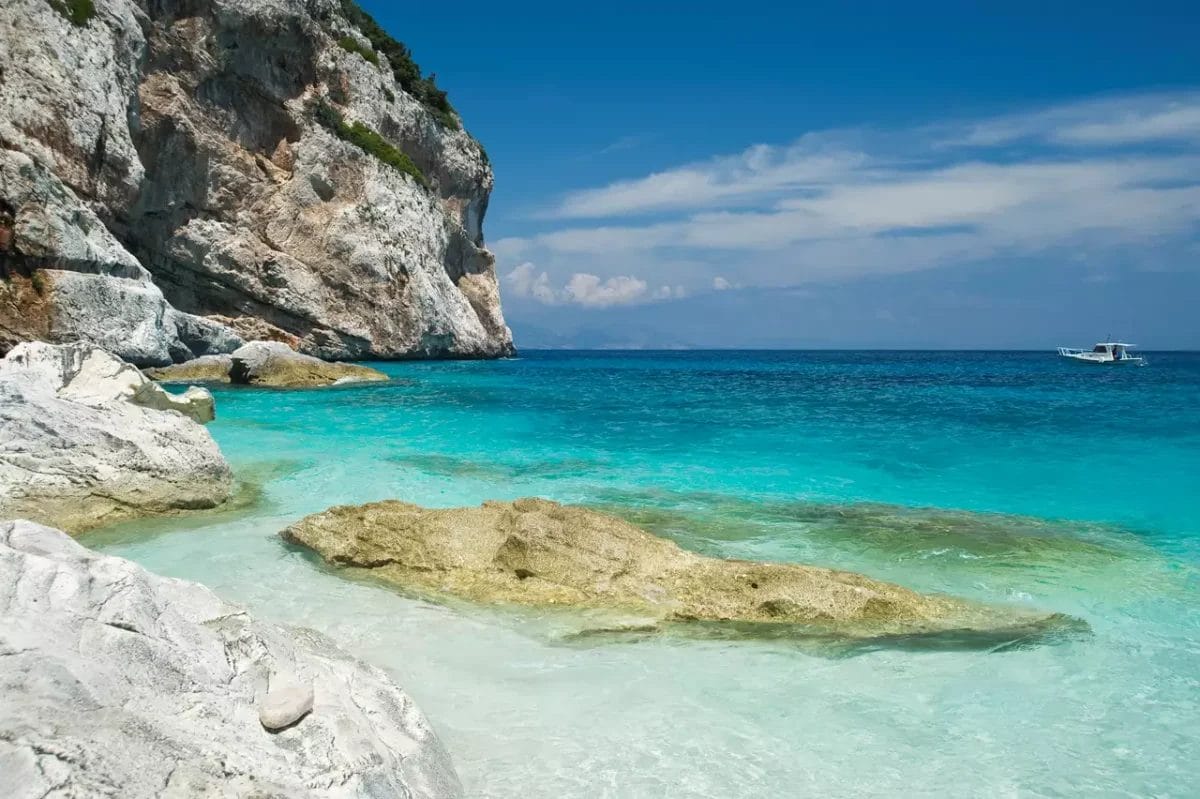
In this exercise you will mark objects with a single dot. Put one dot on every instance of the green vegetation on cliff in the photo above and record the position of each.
(404, 68)
(79, 12)
(352, 45)
(368, 141)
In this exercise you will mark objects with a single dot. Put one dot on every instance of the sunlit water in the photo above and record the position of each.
(1062, 487)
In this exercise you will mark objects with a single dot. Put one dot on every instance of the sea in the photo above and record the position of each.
(1004, 477)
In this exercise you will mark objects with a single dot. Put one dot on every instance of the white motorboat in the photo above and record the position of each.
(1107, 352)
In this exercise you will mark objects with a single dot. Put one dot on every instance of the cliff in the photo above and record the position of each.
(178, 177)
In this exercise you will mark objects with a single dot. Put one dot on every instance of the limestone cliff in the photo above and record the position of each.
(180, 176)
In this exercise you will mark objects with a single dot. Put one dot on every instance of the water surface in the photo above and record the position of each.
(1006, 478)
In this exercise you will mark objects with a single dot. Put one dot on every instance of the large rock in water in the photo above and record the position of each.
(536, 552)
(168, 189)
(86, 439)
(120, 683)
(266, 363)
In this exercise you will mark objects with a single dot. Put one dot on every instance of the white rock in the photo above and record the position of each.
(86, 439)
(285, 704)
(120, 683)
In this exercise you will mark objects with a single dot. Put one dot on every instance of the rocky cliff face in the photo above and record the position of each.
(179, 176)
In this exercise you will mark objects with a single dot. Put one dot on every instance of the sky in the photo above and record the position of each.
(845, 174)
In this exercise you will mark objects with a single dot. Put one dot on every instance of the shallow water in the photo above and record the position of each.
(1007, 478)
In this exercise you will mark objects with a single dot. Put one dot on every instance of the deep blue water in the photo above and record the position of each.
(1004, 477)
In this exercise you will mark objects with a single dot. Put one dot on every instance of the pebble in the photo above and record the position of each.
(285, 705)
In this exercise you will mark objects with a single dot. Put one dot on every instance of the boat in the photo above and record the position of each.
(1110, 353)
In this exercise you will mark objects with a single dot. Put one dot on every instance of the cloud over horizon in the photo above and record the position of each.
(585, 289)
(1083, 180)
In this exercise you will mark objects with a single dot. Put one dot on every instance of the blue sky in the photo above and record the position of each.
(838, 174)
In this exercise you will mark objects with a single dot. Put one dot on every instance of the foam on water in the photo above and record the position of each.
(1003, 478)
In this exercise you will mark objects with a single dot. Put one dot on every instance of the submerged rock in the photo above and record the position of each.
(536, 552)
(86, 439)
(266, 363)
(135, 685)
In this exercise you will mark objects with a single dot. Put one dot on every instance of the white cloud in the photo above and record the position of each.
(669, 293)
(1087, 180)
(1181, 122)
(592, 292)
(1017, 206)
(1137, 119)
(587, 290)
(525, 282)
(760, 170)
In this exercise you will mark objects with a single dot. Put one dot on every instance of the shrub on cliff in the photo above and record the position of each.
(79, 12)
(404, 68)
(367, 140)
(352, 45)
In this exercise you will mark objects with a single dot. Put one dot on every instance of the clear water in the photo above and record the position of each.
(1060, 486)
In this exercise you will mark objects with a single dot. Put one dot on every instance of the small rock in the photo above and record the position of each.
(284, 706)
(196, 403)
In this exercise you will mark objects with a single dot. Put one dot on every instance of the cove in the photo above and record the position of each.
(1000, 478)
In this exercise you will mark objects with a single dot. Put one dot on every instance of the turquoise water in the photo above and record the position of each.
(1007, 478)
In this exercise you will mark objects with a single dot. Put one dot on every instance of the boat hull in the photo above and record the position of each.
(1106, 361)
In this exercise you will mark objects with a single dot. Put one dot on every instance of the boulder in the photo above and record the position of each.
(117, 682)
(86, 439)
(540, 553)
(272, 363)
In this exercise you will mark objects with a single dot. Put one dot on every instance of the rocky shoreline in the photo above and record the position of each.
(121, 683)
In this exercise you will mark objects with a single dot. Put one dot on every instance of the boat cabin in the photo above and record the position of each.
(1112, 349)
